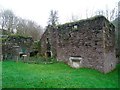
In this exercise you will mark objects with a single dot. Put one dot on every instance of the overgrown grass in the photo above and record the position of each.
(56, 75)
(41, 60)
(0, 75)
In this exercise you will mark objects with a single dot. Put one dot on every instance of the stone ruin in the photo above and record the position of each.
(88, 43)
(14, 46)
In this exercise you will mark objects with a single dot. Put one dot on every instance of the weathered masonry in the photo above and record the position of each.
(86, 43)
(14, 46)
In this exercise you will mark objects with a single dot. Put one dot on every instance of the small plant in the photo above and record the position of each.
(40, 60)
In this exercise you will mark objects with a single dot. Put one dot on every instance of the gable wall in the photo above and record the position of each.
(85, 39)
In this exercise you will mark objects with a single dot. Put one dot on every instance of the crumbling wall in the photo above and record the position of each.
(83, 39)
(48, 42)
(109, 47)
(13, 45)
(86, 39)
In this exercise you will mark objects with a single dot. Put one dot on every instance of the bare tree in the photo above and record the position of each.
(7, 17)
(53, 18)
(34, 30)
(86, 13)
(21, 27)
(109, 14)
(29, 28)
(112, 14)
(24, 27)
(75, 18)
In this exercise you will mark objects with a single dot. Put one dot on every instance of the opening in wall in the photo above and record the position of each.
(111, 64)
(75, 61)
(75, 27)
(49, 54)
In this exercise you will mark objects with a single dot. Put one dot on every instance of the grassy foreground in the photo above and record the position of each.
(0, 75)
(56, 75)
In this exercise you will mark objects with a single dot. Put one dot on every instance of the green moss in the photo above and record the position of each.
(83, 20)
(36, 45)
(19, 36)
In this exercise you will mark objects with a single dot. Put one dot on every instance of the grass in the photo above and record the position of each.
(0, 75)
(55, 75)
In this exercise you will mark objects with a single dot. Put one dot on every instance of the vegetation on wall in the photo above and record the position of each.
(36, 45)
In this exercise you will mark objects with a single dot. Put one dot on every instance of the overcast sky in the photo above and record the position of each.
(38, 10)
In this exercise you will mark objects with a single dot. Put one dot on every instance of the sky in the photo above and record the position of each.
(39, 10)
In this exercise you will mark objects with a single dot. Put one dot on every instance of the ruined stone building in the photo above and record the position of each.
(15, 45)
(86, 43)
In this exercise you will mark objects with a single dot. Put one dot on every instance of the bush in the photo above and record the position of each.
(36, 45)
(43, 60)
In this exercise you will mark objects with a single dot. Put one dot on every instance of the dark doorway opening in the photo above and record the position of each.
(48, 54)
